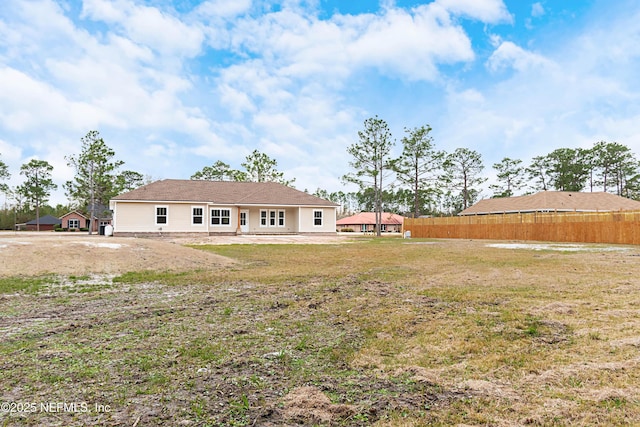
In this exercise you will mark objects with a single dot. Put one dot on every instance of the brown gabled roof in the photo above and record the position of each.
(550, 201)
(222, 192)
(370, 218)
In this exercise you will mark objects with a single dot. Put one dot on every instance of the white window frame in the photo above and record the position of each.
(220, 216)
(74, 221)
(202, 216)
(273, 218)
(166, 215)
(321, 217)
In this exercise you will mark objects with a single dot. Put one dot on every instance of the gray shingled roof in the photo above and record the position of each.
(223, 192)
(560, 201)
(46, 220)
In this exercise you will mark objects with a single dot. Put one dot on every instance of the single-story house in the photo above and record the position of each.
(221, 207)
(47, 223)
(75, 220)
(553, 201)
(366, 222)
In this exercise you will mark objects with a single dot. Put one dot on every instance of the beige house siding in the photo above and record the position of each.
(137, 217)
(307, 223)
(256, 224)
(140, 217)
(296, 220)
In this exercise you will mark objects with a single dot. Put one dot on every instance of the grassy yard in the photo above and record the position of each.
(385, 332)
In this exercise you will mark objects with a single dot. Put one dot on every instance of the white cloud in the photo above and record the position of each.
(410, 45)
(148, 26)
(106, 11)
(537, 10)
(10, 154)
(223, 8)
(510, 55)
(237, 101)
(27, 103)
(168, 35)
(259, 81)
(397, 42)
(281, 127)
(489, 11)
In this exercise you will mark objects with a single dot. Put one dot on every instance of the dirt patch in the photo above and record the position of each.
(266, 239)
(31, 254)
(308, 405)
(564, 247)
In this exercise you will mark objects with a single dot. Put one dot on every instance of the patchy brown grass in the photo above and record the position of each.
(382, 332)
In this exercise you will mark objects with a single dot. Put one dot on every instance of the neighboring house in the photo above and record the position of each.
(553, 201)
(47, 223)
(221, 207)
(75, 220)
(366, 222)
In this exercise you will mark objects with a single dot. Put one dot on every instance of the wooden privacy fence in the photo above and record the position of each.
(622, 227)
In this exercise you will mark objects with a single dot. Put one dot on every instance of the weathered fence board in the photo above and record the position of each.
(621, 227)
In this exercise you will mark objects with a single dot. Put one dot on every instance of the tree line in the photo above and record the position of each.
(422, 180)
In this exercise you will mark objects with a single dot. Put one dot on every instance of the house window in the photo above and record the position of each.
(383, 227)
(74, 223)
(162, 216)
(220, 216)
(317, 218)
(197, 216)
(272, 218)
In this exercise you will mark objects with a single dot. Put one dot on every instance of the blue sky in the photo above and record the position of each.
(173, 86)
